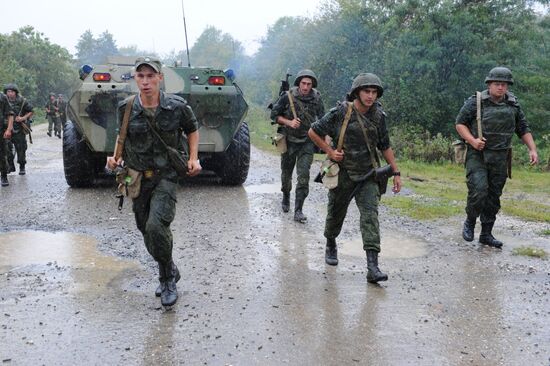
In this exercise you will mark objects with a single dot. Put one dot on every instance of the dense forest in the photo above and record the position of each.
(430, 55)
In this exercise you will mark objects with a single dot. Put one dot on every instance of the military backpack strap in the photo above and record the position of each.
(478, 115)
(374, 159)
(292, 107)
(22, 105)
(344, 127)
(119, 145)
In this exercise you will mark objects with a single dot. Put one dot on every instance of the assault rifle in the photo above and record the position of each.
(285, 86)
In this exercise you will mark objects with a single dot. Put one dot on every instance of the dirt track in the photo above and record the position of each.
(76, 283)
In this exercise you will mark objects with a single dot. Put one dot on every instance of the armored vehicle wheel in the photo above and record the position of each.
(235, 161)
(77, 158)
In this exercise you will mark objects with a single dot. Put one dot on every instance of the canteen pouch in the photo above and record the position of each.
(129, 182)
(279, 140)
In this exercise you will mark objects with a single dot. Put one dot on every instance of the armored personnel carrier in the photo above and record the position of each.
(90, 133)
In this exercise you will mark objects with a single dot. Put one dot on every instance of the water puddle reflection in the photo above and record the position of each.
(263, 188)
(394, 245)
(89, 268)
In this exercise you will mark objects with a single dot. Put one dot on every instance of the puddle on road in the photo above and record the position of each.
(263, 188)
(89, 268)
(394, 245)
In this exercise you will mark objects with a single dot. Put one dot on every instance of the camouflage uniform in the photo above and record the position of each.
(486, 170)
(300, 148)
(62, 107)
(357, 162)
(20, 106)
(53, 118)
(155, 207)
(5, 111)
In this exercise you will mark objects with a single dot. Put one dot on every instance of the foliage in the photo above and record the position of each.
(530, 252)
(91, 50)
(416, 143)
(37, 66)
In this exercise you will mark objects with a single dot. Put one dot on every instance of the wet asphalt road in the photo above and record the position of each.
(76, 283)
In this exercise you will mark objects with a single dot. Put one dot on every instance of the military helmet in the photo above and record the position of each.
(364, 80)
(500, 74)
(306, 73)
(11, 86)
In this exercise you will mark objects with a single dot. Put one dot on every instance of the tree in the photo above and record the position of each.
(92, 50)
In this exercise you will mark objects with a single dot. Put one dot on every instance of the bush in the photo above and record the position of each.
(416, 143)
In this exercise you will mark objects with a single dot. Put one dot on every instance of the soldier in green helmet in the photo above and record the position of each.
(364, 132)
(23, 112)
(487, 154)
(52, 114)
(295, 111)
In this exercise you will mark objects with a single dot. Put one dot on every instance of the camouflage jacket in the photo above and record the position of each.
(51, 106)
(172, 118)
(20, 106)
(309, 108)
(5, 111)
(499, 121)
(357, 158)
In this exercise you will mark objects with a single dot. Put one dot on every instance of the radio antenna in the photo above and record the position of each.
(185, 30)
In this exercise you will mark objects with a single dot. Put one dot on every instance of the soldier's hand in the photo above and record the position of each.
(19, 119)
(478, 144)
(193, 167)
(294, 123)
(533, 157)
(396, 184)
(336, 155)
(112, 163)
(7, 134)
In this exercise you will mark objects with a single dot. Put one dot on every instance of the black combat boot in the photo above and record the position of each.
(169, 293)
(4, 179)
(285, 204)
(49, 133)
(298, 214)
(468, 229)
(331, 253)
(487, 238)
(12, 166)
(22, 169)
(162, 280)
(374, 274)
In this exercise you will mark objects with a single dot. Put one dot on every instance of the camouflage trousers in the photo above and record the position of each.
(366, 199)
(3, 153)
(486, 176)
(301, 156)
(19, 140)
(154, 210)
(54, 122)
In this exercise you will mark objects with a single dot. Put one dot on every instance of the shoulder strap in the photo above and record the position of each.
(22, 105)
(119, 145)
(344, 127)
(374, 160)
(478, 115)
(291, 101)
(156, 133)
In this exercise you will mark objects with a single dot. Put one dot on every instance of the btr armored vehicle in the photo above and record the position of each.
(90, 133)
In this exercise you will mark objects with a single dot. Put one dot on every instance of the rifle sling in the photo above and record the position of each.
(291, 102)
(344, 127)
(375, 163)
(478, 115)
(123, 128)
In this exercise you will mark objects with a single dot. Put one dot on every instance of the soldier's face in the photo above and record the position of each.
(497, 89)
(11, 94)
(148, 81)
(367, 96)
(305, 86)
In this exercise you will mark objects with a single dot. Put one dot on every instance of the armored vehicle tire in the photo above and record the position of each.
(77, 158)
(235, 161)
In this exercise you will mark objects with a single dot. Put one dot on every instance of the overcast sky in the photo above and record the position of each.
(150, 25)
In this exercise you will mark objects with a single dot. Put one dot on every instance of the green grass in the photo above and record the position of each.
(530, 252)
(261, 128)
(545, 232)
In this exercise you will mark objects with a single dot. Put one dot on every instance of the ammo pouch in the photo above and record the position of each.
(177, 160)
(279, 140)
(328, 174)
(381, 176)
(129, 182)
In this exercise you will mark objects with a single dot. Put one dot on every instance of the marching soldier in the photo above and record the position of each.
(52, 113)
(6, 127)
(23, 112)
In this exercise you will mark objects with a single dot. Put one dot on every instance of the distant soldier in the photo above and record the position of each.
(62, 107)
(23, 112)
(489, 154)
(155, 206)
(362, 122)
(6, 127)
(295, 111)
(52, 113)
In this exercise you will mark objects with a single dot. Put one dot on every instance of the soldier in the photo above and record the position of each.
(295, 111)
(155, 207)
(488, 154)
(62, 107)
(6, 127)
(23, 112)
(52, 113)
(365, 131)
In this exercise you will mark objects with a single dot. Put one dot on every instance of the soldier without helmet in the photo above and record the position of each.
(487, 154)
(295, 111)
(23, 112)
(365, 132)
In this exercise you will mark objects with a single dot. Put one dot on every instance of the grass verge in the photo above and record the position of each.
(530, 252)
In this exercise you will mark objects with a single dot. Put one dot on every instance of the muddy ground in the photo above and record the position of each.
(76, 283)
